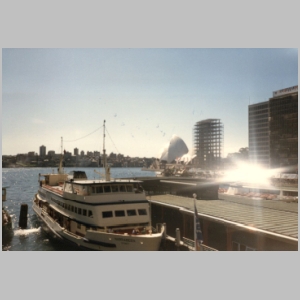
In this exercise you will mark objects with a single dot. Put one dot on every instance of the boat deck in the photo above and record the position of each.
(56, 189)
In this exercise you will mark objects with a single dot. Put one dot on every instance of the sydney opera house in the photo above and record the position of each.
(176, 151)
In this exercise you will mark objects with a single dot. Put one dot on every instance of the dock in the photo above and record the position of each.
(230, 223)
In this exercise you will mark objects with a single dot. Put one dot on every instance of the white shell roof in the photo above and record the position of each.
(175, 149)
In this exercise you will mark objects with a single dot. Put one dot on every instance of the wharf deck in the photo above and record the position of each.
(271, 217)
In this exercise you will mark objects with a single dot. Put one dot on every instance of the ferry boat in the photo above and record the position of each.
(106, 214)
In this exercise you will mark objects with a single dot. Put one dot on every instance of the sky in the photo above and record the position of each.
(145, 95)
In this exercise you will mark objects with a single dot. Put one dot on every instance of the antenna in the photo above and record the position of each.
(60, 168)
(104, 156)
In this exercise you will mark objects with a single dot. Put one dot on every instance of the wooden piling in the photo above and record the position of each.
(23, 216)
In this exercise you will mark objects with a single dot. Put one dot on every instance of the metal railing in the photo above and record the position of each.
(191, 245)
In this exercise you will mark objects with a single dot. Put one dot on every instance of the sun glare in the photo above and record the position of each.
(251, 174)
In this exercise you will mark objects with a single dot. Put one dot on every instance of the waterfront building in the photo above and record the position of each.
(76, 151)
(273, 130)
(42, 151)
(238, 218)
(208, 143)
(174, 150)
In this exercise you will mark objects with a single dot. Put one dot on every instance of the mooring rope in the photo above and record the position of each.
(84, 136)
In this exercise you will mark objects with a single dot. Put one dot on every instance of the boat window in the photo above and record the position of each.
(72, 208)
(120, 213)
(84, 212)
(79, 211)
(122, 188)
(107, 189)
(114, 188)
(90, 214)
(107, 214)
(131, 212)
(75, 210)
(129, 188)
(98, 189)
(142, 212)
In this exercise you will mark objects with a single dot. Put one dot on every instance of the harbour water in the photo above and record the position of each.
(22, 184)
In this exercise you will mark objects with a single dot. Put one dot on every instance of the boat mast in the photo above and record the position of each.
(60, 168)
(106, 167)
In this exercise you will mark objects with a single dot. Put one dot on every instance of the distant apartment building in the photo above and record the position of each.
(208, 143)
(76, 151)
(90, 153)
(51, 153)
(31, 153)
(42, 150)
(273, 130)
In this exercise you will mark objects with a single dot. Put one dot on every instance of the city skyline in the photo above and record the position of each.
(145, 95)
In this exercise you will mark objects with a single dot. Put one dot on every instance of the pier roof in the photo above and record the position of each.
(272, 217)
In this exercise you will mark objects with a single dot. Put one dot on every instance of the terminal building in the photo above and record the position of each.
(273, 130)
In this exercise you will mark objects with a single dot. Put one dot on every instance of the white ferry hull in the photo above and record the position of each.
(95, 240)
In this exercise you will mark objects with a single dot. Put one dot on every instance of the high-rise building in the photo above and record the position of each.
(76, 151)
(208, 143)
(258, 134)
(42, 151)
(283, 124)
(273, 130)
